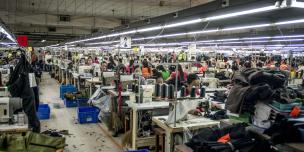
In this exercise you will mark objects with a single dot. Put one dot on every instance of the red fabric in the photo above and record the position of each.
(295, 112)
(119, 98)
(22, 40)
(224, 139)
(173, 75)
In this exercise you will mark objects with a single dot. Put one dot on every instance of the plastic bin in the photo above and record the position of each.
(66, 88)
(70, 103)
(143, 150)
(82, 102)
(44, 111)
(285, 107)
(87, 114)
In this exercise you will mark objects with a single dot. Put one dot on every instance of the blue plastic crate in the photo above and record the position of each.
(44, 111)
(65, 89)
(143, 150)
(82, 102)
(70, 103)
(87, 114)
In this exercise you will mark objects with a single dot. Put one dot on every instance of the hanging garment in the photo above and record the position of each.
(19, 86)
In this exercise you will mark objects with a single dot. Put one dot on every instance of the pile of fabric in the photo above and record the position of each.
(30, 142)
(228, 139)
(253, 85)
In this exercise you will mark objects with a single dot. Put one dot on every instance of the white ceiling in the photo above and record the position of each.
(35, 16)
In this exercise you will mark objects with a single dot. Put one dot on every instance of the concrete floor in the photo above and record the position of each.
(85, 137)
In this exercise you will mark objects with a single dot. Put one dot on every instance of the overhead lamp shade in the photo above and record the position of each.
(22, 40)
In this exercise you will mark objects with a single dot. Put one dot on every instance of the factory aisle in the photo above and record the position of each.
(84, 137)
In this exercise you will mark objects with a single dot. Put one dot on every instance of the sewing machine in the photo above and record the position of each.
(108, 78)
(7, 108)
(85, 71)
(126, 81)
(96, 70)
(210, 82)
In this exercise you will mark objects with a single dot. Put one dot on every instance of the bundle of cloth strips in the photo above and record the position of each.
(227, 139)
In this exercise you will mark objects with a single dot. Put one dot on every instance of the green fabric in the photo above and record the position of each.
(2, 142)
(165, 74)
(15, 143)
(32, 142)
(43, 143)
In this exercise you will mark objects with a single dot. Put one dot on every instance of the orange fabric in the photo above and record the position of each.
(295, 112)
(203, 68)
(283, 67)
(224, 139)
(146, 72)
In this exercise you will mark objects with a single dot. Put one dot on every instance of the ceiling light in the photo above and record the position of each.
(184, 23)
(290, 22)
(10, 37)
(295, 3)
(43, 41)
(240, 13)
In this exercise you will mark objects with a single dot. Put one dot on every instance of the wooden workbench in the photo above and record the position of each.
(194, 123)
(5, 128)
(143, 141)
(91, 82)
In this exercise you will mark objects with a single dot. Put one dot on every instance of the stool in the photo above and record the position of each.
(160, 133)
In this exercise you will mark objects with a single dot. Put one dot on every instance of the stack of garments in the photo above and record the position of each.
(219, 96)
(252, 85)
(208, 140)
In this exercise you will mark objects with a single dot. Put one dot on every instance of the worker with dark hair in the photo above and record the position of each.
(111, 64)
(165, 73)
(192, 81)
(130, 68)
(146, 70)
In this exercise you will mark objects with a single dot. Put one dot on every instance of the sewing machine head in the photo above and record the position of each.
(210, 82)
(7, 108)
(84, 69)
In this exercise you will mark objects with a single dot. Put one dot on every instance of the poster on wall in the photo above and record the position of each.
(141, 50)
(192, 50)
(125, 42)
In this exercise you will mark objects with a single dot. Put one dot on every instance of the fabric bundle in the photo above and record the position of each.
(207, 140)
(252, 85)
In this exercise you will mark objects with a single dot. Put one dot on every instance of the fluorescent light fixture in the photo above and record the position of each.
(290, 22)
(43, 41)
(240, 13)
(184, 23)
(245, 27)
(285, 38)
(8, 43)
(225, 29)
(149, 29)
(295, 3)
(10, 37)
(102, 43)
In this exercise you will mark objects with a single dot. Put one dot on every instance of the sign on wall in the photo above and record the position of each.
(22, 40)
(125, 42)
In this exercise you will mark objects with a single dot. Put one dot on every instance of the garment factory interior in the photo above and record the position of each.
(152, 75)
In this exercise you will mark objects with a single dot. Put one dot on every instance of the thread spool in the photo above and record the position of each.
(171, 92)
(157, 90)
(164, 91)
(203, 92)
(183, 91)
(192, 93)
